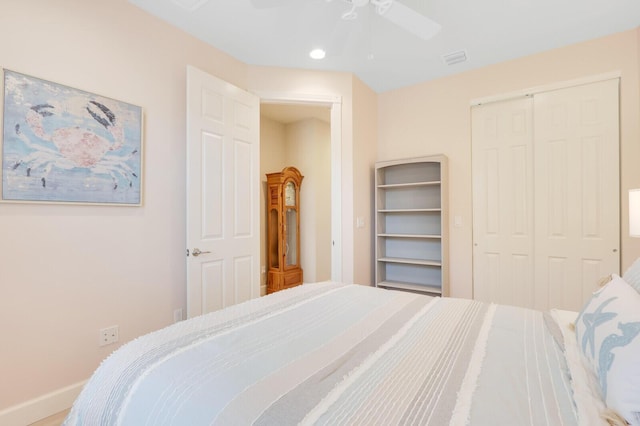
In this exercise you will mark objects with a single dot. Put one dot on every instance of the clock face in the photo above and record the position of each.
(290, 194)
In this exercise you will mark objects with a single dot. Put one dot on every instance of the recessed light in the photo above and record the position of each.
(317, 54)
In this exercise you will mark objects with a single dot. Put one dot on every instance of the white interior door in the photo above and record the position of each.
(546, 196)
(502, 163)
(223, 217)
(577, 192)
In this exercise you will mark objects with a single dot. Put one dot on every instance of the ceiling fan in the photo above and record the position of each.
(396, 12)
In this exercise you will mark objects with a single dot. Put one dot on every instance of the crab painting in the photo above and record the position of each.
(62, 142)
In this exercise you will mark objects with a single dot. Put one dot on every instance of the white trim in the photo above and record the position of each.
(335, 102)
(336, 192)
(296, 98)
(41, 407)
(545, 88)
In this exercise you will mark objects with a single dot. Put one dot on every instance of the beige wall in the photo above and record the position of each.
(632, 248)
(365, 137)
(308, 145)
(434, 117)
(272, 159)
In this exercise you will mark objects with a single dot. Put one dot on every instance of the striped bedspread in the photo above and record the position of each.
(335, 354)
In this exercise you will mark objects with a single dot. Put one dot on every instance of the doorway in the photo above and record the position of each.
(305, 133)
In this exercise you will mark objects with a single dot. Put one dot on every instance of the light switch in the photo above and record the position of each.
(360, 222)
(457, 221)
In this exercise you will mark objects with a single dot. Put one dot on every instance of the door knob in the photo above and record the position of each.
(197, 252)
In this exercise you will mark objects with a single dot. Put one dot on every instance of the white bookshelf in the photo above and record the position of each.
(412, 225)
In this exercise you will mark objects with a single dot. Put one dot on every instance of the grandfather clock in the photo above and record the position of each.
(283, 229)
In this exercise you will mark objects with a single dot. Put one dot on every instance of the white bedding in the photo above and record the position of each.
(331, 354)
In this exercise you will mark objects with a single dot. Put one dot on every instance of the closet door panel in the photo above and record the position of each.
(502, 163)
(577, 192)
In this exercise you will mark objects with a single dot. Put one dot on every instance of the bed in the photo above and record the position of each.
(330, 354)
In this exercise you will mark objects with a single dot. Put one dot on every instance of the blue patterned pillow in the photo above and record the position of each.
(632, 275)
(608, 332)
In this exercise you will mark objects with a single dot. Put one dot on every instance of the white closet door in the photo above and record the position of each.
(546, 223)
(502, 162)
(577, 192)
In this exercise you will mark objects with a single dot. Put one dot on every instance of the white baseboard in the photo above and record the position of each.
(39, 408)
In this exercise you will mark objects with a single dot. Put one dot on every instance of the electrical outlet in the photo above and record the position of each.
(108, 335)
(177, 315)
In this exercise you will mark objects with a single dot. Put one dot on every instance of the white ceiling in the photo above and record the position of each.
(379, 52)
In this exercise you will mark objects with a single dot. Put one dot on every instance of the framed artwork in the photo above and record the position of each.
(64, 145)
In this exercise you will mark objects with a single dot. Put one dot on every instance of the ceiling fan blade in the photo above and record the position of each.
(343, 35)
(267, 4)
(412, 21)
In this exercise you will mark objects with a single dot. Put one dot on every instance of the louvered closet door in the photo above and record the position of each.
(577, 192)
(546, 196)
(503, 202)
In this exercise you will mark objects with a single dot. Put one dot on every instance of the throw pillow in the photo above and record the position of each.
(632, 275)
(608, 334)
